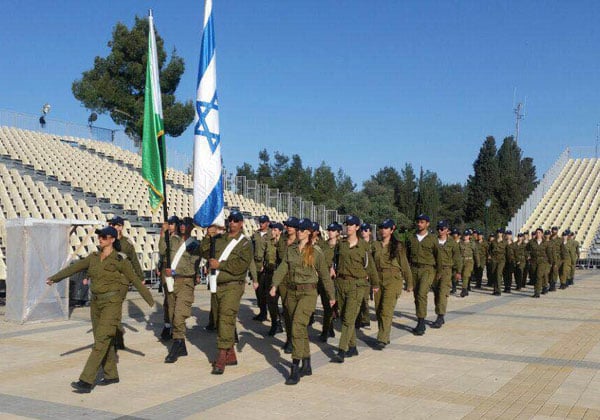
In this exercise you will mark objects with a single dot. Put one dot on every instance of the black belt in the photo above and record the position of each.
(230, 281)
(417, 265)
(344, 277)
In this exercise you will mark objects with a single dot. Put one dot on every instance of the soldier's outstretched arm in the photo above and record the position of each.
(76, 267)
(127, 270)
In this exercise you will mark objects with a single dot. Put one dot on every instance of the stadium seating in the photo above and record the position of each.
(572, 202)
(61, 177)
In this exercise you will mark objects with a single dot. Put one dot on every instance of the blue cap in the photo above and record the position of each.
(387, 224)
(304, 224)
(547, 232)
(365, 226)
(292, 222)
(276, 225)
(565, 233)
(540, 229)
(442, 224)
(173, 220)
(263, 219)
(107, 231)
(116, 220)
(475, 232)
(334, 226)
(500, 230)
(468, 232)
(423, 217)
(520, 235)
(352, 220)
(455, 231)
(187, 221)
(555, 228)
(316, 227)
(235, 216)
(508, 232)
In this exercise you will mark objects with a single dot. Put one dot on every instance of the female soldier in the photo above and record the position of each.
(304, 266)
(285, 241)
(109, 273)
(391, 262)
(355, 269)
(333, 232)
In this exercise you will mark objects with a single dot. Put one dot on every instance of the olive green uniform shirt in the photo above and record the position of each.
(450, 255)
(188, 263)
(381, 257)
(237, 264)
(357, 261)
(425, 252)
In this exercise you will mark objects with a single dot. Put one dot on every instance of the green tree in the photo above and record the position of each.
(324, 186)
(116, 83)
(481, 186)
(407, 194)
(264, 172)
(246, 170)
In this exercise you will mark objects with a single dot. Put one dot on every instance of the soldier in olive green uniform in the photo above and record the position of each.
(509, 266)
(363, 320)
(540, 253)
(555, 241)
(498, 251)
(184, 273)
(519, 252)
(482, 251)
(565, 260)
(172, 226)
(423, 256)
(456, 238)
(470, 259)
(490, 265)
(305, 267)
(574, 251)
(109, 273)
(260, 239)
(333, 231)
(291, 230)
(231, 273)
(450, 267)
(355, 271)
(271, 263)
(389, 256)
(128, 249)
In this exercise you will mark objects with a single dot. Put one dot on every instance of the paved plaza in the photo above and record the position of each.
(497, 357)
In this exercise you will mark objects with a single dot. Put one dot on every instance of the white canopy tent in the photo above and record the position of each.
(36, 249)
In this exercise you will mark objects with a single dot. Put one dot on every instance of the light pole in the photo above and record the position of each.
(488, 203)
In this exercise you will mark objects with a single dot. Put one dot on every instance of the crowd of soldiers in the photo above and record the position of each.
(291, 262)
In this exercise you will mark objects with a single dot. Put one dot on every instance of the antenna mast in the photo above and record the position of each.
(518, 117)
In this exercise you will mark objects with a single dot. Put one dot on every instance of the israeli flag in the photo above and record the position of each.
(208, 178)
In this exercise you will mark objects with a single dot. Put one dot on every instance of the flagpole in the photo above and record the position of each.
(161, 140)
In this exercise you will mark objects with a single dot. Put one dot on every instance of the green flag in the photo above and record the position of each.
(152, 148)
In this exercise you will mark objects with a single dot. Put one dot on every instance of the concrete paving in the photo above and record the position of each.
(508, 357)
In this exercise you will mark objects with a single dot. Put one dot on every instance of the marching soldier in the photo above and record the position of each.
(540, 253)
(555, 242)
(498, 256)
(470, 259)
(172, 225)
(519, 252)
(128, 249)
(272, 263)
(509, 267)
(482, 252)
(455, 278)
(290, 237)
(110, 273)
(305, 266)
(363, 320)
(565, 260)
(232, 258)
(574, 251)
(260, 239)
(490, 265)
(423, 256)
(184, 267)
(333, 231)
(389, 256)
(355, 272)
(450, 268)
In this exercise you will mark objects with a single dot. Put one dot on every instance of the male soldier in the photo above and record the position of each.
(260, 238)
(450, 269)
(574, 251)
(482, 251)
(540, 253)
(232, 258)
(498, 255)
(565, 260)
(363, 320)
(128, 249)
(172, 225)
(333, 232)
(519, 253)
(456, 238)
(184, 266)
(470, 259)
(555, 243)
(509, 267)
(423, 255)
(489, 265)
(528, 269)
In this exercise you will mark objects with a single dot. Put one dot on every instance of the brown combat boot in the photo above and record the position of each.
(230, 359)
(219, 364)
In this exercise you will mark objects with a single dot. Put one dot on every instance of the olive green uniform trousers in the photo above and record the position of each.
(423, 277)
(228, 299)
(300, 304)
(386, 298)
(287, 321)
(565, 271)
(467, 270)
(349, 297)
(441, 290)
(327, 311)
(181, 300)
(105, 311)
(498, 277)
(542, 272)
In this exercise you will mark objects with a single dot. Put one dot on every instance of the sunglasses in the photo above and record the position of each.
(102, 236)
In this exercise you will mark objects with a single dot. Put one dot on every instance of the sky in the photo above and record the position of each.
(358, 84)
